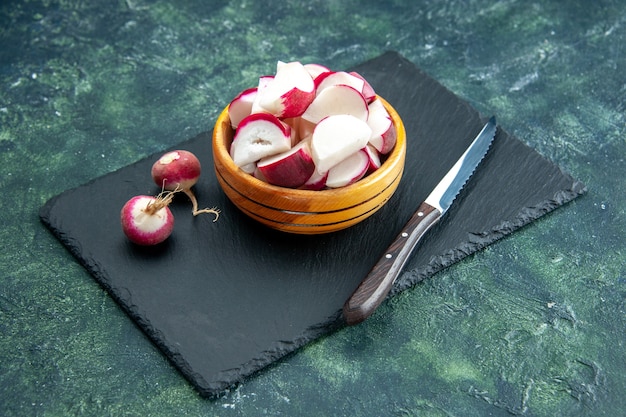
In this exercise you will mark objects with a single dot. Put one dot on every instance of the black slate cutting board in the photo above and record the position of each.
(223, 300)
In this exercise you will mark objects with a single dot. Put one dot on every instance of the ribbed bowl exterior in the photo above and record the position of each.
(307, 211)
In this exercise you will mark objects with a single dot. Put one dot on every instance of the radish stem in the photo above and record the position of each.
(194, 203)
(163, 199)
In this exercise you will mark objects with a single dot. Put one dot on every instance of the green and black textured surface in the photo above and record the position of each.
(532, 325)
(223, 301)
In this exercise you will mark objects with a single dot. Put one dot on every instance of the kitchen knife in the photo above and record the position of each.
(376, 285)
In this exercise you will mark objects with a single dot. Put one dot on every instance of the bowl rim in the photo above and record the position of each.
(221, 153)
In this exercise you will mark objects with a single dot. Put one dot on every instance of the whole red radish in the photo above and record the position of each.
(147, 220)
(180, 170)
(176, 169)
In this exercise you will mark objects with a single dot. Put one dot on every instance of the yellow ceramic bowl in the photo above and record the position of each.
(307, 211)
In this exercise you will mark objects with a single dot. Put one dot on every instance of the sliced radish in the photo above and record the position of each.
(259, 135)
(337, 137)
(264, 82)
(316, 182)
(288, 169)
(335, 100)
(367, 91)
(374, 158)
(280, 64)
(249, 168)
(316, 69)
(258, 174)
(336, 113)
(241, 106)
(303, 128)
(289, 93)
(348, 171)
(295, 124)
(327, 79)
(384, 134)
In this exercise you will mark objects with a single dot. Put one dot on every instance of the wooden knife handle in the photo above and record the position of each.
(376, 285)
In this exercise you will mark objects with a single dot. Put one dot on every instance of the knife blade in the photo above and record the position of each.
(377, 284)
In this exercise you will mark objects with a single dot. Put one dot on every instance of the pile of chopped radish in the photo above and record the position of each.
(148, 220)
(309, 127)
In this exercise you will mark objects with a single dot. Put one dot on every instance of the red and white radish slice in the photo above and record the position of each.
(249, 168)
(328, 79)
(289, 93)
(241, 106)
(348, 171)
(300, 129)
(316, 69)
(367, 90)
(280, 64)
(288, 169)
(258, 174)
(264, 82)
(303, 128)
(384, 135)
(337, 137)
(374, 158)
(147, 220)
(259, 135)
(316, 182)
(335, 100)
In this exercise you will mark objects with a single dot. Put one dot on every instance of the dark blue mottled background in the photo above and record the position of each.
(534, 325)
